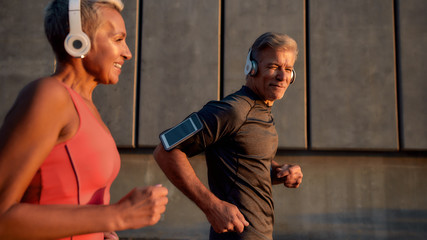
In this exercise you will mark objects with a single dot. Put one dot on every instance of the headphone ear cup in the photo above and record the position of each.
(254, 69)
(77, 44)
(294, 76)
(251, 66)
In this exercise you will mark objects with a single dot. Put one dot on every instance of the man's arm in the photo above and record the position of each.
(222, 215)
(289, 175)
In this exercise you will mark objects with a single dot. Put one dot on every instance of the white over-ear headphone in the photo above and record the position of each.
(251, 67)
(77, 43)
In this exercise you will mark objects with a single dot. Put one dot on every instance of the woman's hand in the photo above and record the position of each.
(142, 207)
(111, 236)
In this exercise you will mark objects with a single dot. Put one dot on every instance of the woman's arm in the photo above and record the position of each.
(140, 208)
(42, 117)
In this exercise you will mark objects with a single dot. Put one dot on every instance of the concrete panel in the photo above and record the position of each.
(360, 196)
(342, 196)
(26, 52)
(413, 61)
(179, 67)
(352, 75)
(245, 20)
(116, 103)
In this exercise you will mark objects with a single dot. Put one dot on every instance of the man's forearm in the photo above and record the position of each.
(179, 171)
(222, 215)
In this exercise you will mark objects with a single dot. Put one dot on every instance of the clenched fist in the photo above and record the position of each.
(289, 175)
(142, 207)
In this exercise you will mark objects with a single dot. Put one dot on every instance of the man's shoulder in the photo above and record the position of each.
(231, 110)
(241, 99)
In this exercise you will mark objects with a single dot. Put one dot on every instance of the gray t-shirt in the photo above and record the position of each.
(240, 141)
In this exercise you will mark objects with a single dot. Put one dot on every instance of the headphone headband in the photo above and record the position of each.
(74, 16)
(77, 43)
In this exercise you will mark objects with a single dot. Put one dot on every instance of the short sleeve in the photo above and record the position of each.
(220, 119)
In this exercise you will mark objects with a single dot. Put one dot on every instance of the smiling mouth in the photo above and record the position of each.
(117, 65)
(277, 86)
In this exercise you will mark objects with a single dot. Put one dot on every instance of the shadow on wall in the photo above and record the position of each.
(390, 224)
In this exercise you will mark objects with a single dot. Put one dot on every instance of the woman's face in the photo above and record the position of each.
(109, 49)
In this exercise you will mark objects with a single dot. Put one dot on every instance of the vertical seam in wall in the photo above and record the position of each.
(221, 48)
(397, 74)
(307, 74)
(137, 90)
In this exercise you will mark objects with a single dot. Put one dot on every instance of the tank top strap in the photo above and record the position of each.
(76, 98)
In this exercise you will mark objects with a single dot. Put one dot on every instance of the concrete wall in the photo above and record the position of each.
(344, 195)
(354, 119)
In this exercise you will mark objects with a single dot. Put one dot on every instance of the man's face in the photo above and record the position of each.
(274, 74)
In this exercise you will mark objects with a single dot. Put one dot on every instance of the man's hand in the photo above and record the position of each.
(226, 217)
(223, 216)
(289, 175)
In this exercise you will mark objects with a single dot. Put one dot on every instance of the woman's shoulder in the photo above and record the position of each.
(47, 91)
(48, 87)
(44, 104)
(43, 95)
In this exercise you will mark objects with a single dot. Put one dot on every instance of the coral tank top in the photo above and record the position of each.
(79, 171)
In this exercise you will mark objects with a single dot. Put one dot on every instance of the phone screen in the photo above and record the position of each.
(181, 132)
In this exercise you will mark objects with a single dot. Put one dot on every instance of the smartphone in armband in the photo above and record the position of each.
(181, 132)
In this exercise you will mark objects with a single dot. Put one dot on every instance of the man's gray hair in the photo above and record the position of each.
(273, 40)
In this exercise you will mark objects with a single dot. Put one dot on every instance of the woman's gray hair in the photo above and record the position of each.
(273, 40)
(56, 22)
